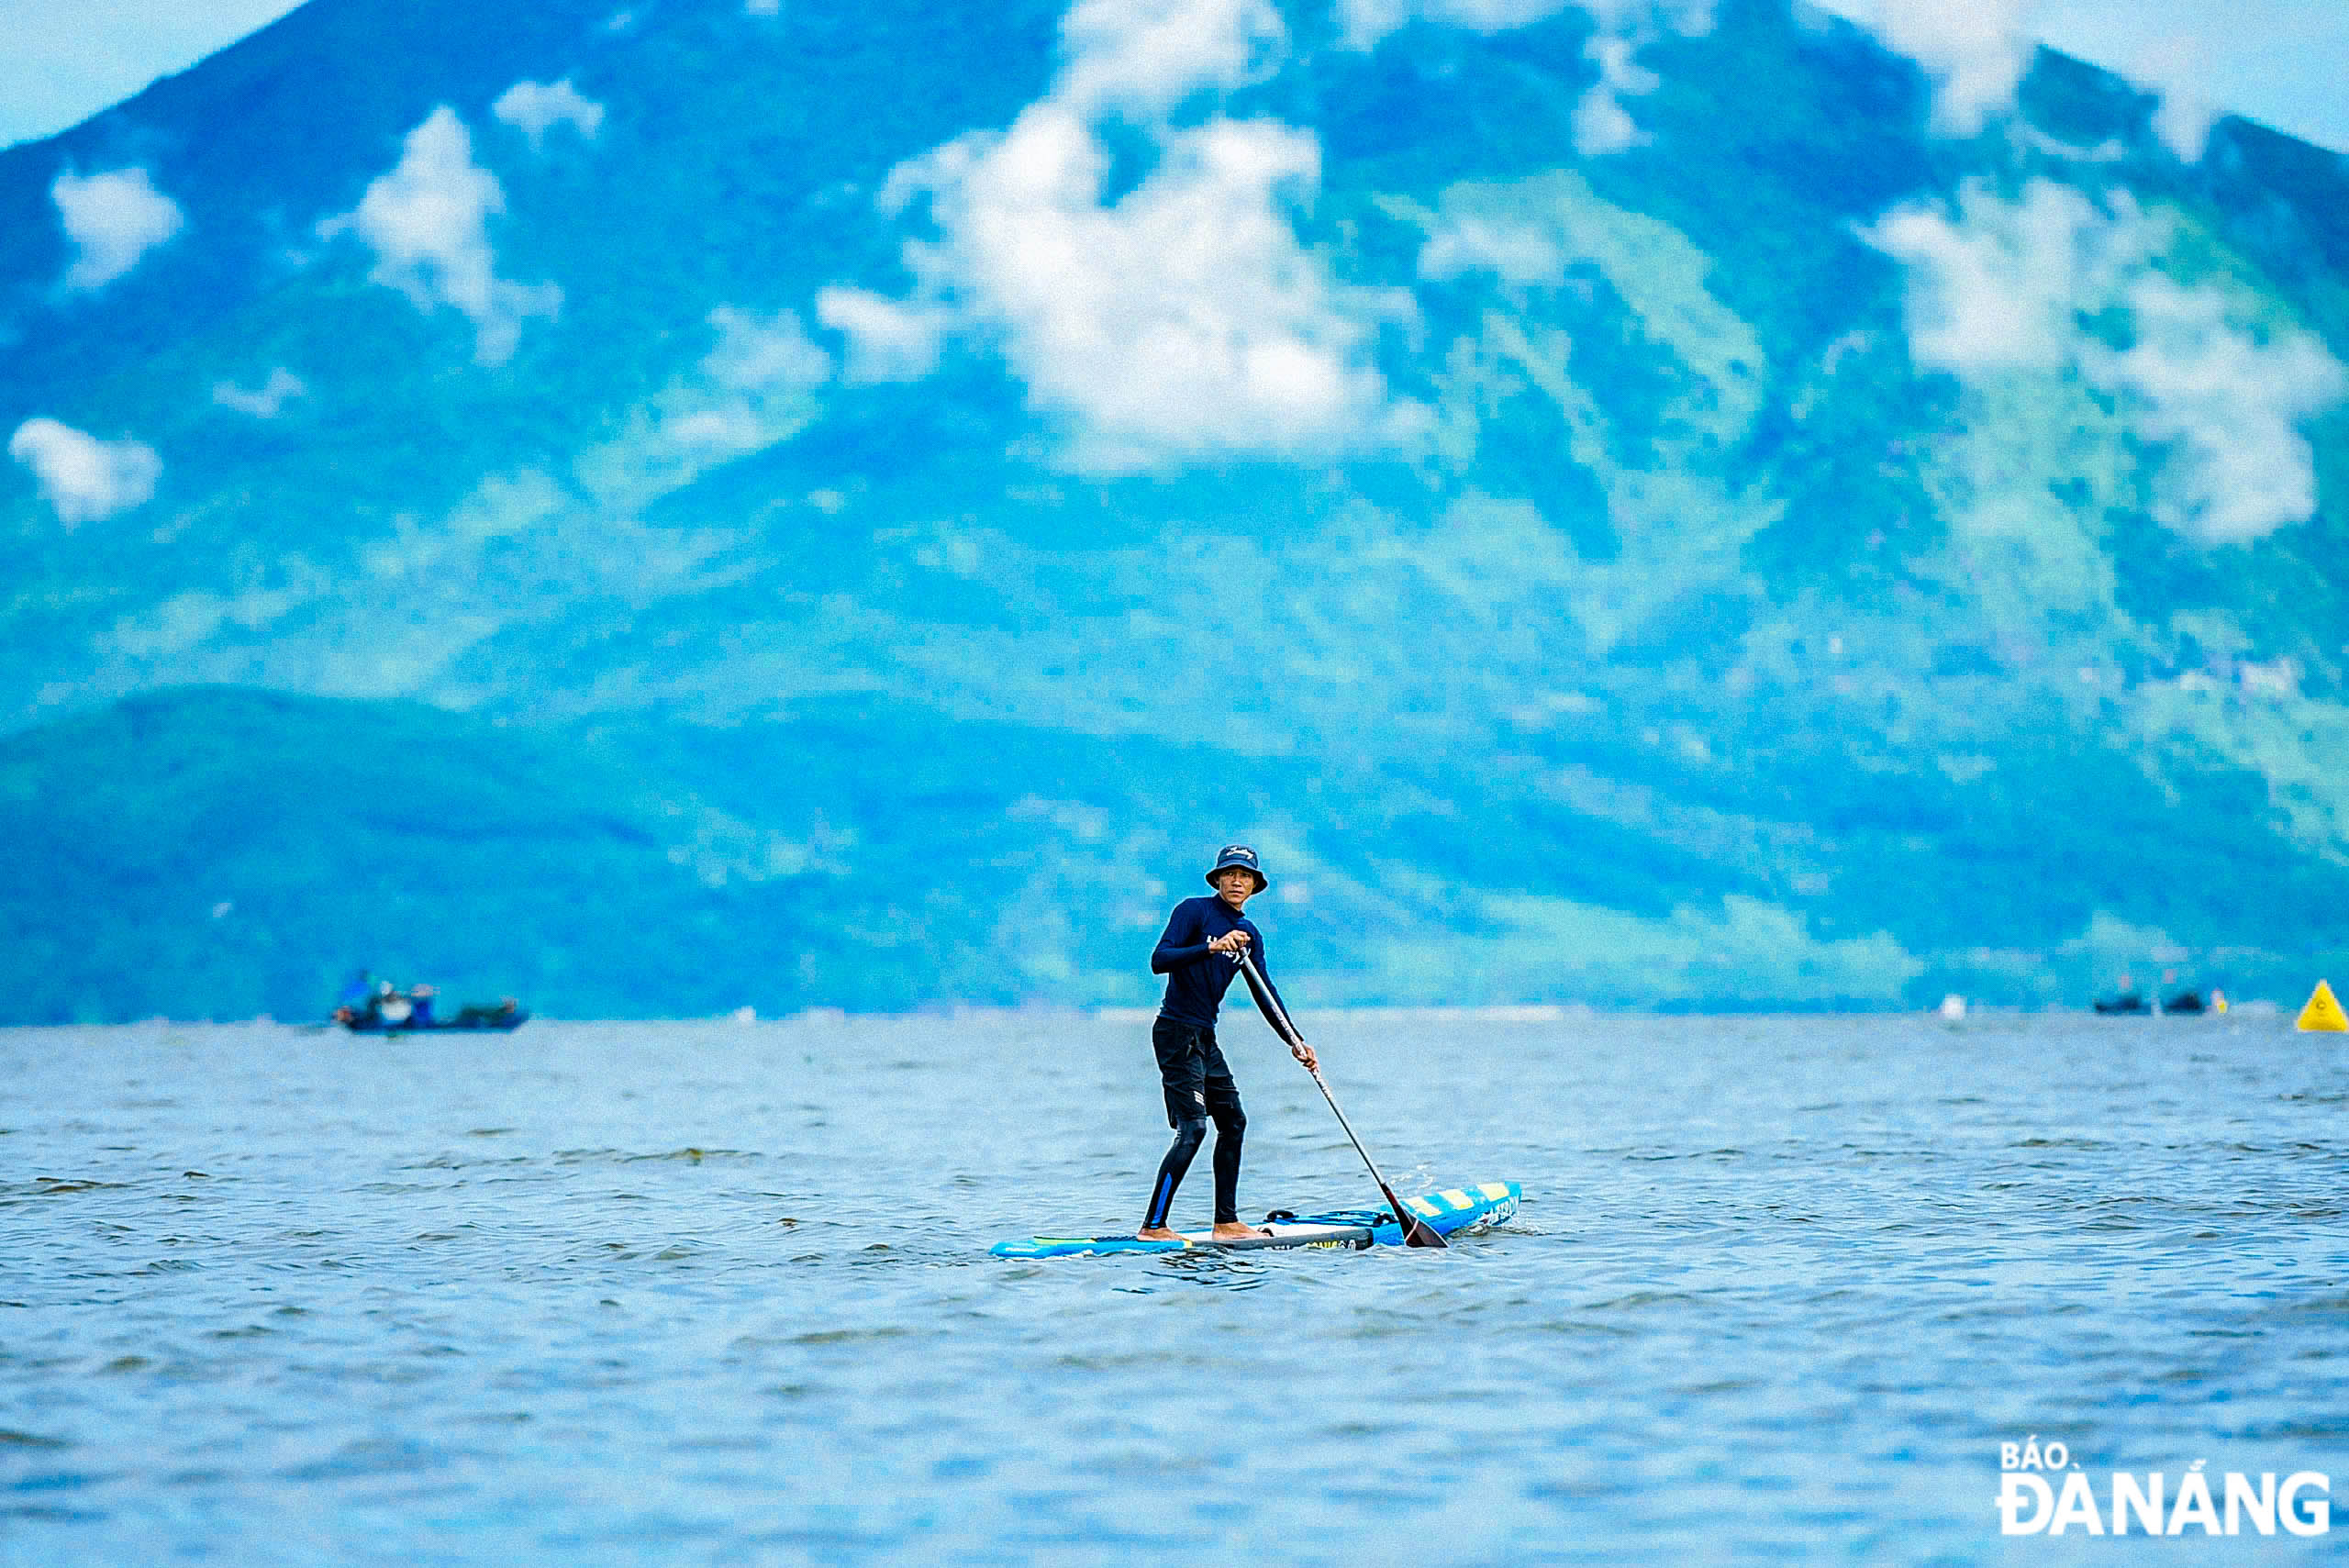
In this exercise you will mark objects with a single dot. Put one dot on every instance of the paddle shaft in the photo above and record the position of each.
(1415, 1231)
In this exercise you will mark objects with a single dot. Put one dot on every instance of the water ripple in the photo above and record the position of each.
(712, 1292)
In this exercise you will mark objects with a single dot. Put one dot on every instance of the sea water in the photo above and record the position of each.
(1783, 1289)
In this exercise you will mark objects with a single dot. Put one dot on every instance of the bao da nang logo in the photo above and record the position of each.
(2040, 1491)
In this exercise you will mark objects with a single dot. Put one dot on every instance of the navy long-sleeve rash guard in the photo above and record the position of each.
(1196, 978)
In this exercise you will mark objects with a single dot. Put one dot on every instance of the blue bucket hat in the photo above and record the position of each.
(1237, 855)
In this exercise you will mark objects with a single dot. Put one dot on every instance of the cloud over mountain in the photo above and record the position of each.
(113, 220)
(83, 478)
(1975, 53)
(262, 402)
(1181, 318)
(2228, 403)
(427, 223)
(887, 339)
(535, 108)
(1144, 58)
(1997, 285)
(1602, 122)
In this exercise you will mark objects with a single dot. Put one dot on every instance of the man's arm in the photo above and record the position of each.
(1181, 945)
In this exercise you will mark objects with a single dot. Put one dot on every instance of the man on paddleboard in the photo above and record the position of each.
(1198, 955)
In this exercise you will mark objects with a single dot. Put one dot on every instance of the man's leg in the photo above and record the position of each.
(1230, 1126)
(1188, 1135)
(1181, 1067)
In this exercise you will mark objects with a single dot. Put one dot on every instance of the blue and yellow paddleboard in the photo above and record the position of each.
(1455, 1211)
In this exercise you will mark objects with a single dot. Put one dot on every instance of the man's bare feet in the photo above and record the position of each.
(1237, 1232)
(1155, 1233)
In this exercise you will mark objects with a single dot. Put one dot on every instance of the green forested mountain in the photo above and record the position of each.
(712, 505)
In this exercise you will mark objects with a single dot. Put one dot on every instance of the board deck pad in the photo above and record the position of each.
(1453, 1211)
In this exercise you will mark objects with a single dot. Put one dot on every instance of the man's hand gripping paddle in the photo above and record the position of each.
(1417, 1232)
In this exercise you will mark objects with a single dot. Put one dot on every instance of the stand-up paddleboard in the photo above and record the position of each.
(1455, 1211)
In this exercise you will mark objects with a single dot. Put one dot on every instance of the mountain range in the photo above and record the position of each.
(709, 505)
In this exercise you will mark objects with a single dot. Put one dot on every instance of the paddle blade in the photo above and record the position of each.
(1417, 1232)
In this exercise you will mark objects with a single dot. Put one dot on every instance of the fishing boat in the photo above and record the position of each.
(2185, 1003)
(503, 1018)
(1455, 1211)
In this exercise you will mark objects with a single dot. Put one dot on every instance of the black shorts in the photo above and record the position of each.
(1191, 1068)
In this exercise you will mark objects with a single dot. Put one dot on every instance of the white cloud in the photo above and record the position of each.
(1998, 284)
(113, 220)
(727, 429)
(1147, 56)
(262, 403)
(757, 375)
(2228, 404)
(772, 353)
(2184, 120)
(2002, 285)
(1623, 28)
(535, 108)
(1182, 319)
(762, 7)
(2176, 65)
(427, 222)
(84, 478)
(1976, 52)
(887, 341)
(1601, 123)
(752, 389)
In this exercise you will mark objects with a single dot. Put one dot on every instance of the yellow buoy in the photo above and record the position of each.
(2324, 1012)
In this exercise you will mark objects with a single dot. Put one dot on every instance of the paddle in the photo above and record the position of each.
(1417, 1232)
